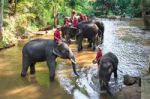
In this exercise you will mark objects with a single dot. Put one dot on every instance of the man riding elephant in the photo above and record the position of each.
(93, 30)
(45, 50)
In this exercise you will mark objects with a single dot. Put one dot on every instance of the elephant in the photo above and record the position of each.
(88, 30)
(39, 50)
(107, 66)
(101, 28)
(69, 32)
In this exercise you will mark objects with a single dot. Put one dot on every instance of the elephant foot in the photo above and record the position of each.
(79, 50)
(33, 76)
(23, 75)
(51, 79)
(32, 72)
(94, 48)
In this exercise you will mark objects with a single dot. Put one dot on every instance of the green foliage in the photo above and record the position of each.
(7, 39)
(5, 23)
(119, 7)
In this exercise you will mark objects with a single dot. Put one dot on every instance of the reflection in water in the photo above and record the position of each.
(132, 58)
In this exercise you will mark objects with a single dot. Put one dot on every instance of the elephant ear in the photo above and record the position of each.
(56, 52)
(57, 49)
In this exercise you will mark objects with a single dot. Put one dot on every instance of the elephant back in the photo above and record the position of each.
(88, 29)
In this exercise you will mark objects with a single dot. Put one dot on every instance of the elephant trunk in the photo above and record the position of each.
(72, 59)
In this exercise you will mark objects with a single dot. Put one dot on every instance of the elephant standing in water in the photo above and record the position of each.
(108, 65)
(68, 32)
(45, 50)
(91, 31)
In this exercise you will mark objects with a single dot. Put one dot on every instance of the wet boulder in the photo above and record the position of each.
(129, 92)
(132, 90)
(129, 80)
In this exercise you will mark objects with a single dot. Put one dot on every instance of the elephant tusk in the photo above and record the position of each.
(73, 61)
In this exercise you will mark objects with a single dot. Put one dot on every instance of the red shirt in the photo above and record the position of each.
(75, 23)
(57, 35)
(85, 18)
(66, 22)
(99, 55)
(81, 17)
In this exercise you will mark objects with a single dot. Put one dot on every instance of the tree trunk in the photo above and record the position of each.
(1, 19)
(15, 7)
(145, 19)
(54, 15)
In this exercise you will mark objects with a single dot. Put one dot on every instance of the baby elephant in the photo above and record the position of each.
(108, 65)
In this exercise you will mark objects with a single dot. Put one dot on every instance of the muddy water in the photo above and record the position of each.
(132, 58)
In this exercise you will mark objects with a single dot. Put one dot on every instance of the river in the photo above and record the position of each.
(123, 38)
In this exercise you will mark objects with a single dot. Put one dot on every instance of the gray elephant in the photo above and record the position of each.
(108, 65)
(68, 32)
(101, 29)
(45, 50)
(90, 31)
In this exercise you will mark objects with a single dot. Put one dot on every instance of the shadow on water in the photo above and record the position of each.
(132, 58)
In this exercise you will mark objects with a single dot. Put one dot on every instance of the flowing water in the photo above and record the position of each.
(132, 55)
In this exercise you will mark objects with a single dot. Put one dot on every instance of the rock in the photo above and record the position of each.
(129, 92)
(133, 91)
(145, 87)
(149, 63)
(128, 80)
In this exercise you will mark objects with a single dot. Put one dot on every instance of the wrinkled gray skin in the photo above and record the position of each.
(43, 50)
(68, 32)
(90, 31)
(108, 65)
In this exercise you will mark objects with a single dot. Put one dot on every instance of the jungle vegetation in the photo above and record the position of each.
(18, 17)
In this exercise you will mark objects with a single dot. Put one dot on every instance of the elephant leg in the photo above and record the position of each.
(51, 65)
(90, 43)
(115, 74)
(25, 66)
(32, 68)
(68, 39)
(102, 36)
(79, 42)
(94, 45)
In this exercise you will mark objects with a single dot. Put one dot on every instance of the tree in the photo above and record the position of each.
(72, 3)
(1, 18)
(145, 19)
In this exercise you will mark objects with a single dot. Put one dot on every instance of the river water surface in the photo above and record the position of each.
(132, 55)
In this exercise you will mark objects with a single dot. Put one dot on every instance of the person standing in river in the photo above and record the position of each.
(98, 56)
